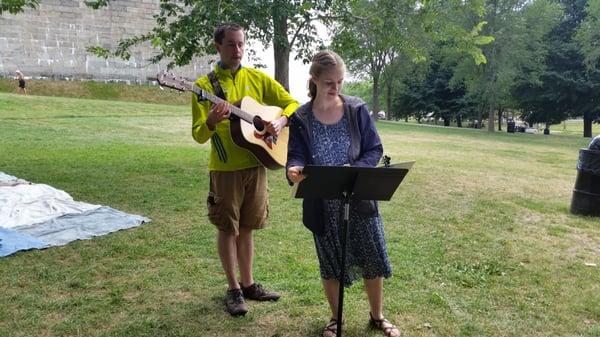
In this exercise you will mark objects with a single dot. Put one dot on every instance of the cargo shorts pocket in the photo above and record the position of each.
(214, 204)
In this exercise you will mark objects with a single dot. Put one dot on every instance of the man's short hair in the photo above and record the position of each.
(221, 29)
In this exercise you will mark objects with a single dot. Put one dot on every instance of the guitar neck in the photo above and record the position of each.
(216, 99)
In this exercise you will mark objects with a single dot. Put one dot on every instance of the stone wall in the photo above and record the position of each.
(51, 42)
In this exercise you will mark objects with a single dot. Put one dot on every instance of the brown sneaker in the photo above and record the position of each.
(258, 293)
(234, 302)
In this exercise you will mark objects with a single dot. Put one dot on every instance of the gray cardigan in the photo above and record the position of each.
(365, 150)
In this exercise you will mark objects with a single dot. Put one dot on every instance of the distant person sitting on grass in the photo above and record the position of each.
(21, 89)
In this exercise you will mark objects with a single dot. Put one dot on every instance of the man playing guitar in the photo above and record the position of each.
(237, 201)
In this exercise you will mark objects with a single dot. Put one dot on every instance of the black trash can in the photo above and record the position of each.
(510, 126)
(595, 143)
(586, 194)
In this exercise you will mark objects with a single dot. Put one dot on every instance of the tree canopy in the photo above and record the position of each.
(588, 35)
(184, 29)
(564, 87)
(377, 36)
(451, 59)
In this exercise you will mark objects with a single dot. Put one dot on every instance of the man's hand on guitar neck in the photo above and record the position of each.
(217, 113)
(274, 127)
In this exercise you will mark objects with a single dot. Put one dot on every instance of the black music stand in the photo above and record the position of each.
(349, 183)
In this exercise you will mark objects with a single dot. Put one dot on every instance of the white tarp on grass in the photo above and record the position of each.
(25, 204)
(39, 216)
(69, 227)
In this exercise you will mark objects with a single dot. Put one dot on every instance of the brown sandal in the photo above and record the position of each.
(389, 329)
(330, 329)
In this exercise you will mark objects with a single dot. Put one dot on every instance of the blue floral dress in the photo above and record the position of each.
(366, 252)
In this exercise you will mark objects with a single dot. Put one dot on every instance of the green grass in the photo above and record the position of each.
(573, 127)
(98, 90)
(479, 234)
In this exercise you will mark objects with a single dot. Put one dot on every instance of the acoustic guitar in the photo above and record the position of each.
(247, 124)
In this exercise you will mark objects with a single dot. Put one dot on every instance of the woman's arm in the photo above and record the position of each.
(371, 148)
(297, 152)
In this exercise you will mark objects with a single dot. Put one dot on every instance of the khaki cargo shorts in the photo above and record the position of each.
(238, 199)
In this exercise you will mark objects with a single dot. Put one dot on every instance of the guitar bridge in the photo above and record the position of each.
(268, 138)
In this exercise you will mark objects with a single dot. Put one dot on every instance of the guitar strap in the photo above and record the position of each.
(216, 140)
(216, 86)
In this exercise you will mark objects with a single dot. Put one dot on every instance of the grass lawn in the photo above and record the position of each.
(97, 90)
(480, 235)
(572, 127)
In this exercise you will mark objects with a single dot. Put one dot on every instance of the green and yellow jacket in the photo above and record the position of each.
(225, 155)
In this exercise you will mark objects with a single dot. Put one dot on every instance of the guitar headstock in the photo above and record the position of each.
(170, 80)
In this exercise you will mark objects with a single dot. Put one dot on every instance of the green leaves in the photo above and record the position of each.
(480, 40)
(99, 51)
(588, 35)
(375, 36)
(157, 42)
(95, 4)
(478, 56)
(17, 6)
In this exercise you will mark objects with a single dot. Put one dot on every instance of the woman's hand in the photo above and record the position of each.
(294, 173)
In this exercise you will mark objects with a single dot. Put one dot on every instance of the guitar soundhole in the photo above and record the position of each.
(258, 124)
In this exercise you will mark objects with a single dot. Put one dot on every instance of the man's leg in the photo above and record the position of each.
(223, 202)
(226, 244)
(253, 215)
(234, 299)
(245, 256)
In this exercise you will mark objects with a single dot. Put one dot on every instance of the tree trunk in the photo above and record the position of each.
(491, 119)
(281, 49)
(375, 106)
(458, 121)
(587, 125)
(500, 113)
(388, 100)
